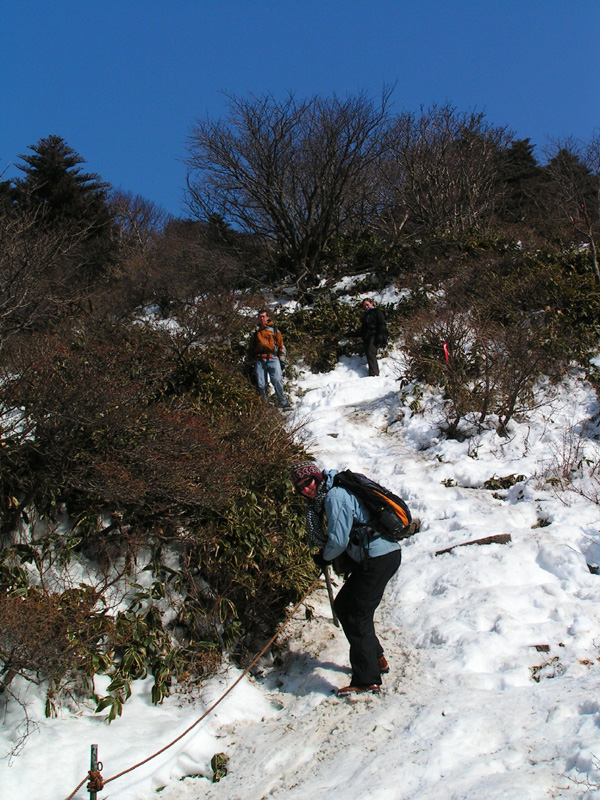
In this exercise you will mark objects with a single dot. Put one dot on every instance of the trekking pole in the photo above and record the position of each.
(330, 593)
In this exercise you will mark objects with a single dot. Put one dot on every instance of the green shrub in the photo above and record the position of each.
(508, 316)
(484, 368)
(123, 443)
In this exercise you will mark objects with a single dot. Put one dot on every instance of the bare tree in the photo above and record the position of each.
(442, 170)
(39, 271)
(138, 221)
(291, 172)
(573, 189)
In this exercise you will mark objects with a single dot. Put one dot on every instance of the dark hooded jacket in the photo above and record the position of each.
(374, 326)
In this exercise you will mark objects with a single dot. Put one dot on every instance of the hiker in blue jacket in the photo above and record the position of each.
(373, 561)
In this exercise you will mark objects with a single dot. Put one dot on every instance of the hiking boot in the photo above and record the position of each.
(383, 665)
(346, 691)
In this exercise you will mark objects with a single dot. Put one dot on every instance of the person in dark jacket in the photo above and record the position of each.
(337, 523)
(374, 334)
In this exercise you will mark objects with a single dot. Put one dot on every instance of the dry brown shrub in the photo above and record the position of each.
(45, 636)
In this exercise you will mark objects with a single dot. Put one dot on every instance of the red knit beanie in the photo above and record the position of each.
(301, 470)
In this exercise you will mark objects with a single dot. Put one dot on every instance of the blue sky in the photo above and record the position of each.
(123, 82)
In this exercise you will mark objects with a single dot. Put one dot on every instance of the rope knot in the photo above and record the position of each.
(96, 781)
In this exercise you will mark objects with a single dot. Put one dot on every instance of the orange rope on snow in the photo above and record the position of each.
(97, 777)
(77, 788)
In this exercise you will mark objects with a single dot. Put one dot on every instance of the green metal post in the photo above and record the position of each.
(94, 767)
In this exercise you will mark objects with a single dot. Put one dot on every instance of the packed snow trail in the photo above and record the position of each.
(461, 715)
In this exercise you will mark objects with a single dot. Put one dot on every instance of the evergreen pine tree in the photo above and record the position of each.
(57, 189)
(522, 178)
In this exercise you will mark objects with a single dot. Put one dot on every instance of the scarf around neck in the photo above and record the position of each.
(316, 535)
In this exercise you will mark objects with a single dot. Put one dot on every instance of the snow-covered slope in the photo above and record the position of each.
(494, 689)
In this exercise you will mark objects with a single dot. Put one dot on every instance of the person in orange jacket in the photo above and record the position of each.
(267, 350)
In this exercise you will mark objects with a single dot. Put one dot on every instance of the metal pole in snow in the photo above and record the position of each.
(93, 768)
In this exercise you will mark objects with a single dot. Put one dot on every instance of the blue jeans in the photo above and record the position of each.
(270, 368)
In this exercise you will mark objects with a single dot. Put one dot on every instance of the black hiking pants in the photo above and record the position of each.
(371, 353)
(355, 607)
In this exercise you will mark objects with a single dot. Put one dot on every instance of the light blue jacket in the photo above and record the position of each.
(343, 509)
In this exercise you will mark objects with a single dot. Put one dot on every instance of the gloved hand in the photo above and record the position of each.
(321, 562)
